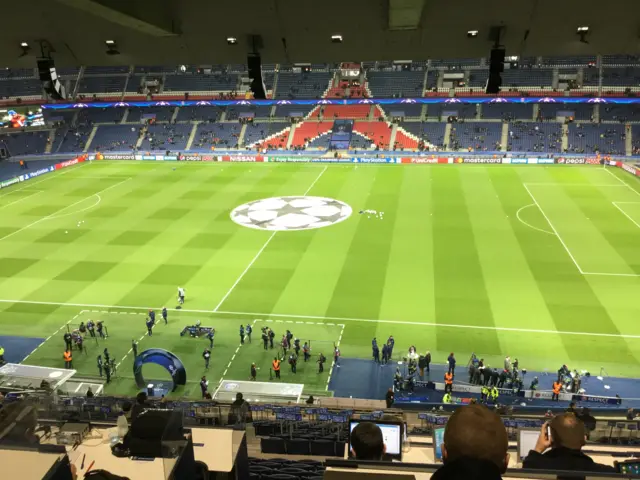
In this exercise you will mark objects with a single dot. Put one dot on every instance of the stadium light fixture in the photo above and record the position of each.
(336, 38)
(25, 48)
(582, 32)
(232, 41)
(112, 47)
(472, 33)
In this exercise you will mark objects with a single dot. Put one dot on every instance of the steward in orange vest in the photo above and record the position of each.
(448, 382)
(276, 366)
(556, 390)
(68, 359)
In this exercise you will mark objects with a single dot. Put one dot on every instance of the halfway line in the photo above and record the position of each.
(253, 260)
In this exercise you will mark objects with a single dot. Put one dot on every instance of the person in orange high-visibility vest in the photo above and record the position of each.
(557, 385)
(68, 359)
(276, 366)
(448, 382)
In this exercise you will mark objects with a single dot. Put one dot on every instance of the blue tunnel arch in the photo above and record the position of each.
(165, 359)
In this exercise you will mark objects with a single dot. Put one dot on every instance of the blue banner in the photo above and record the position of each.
(348, 101)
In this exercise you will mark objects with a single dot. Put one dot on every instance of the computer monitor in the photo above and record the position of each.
(438, 438)
(392, 434)
(527, 439)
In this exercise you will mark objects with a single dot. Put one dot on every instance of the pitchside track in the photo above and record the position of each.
(538, 262)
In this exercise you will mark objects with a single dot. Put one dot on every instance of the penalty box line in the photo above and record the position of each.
(54, 333)
(553, 228)
(575, 262)
(321, 319)
(262, 249)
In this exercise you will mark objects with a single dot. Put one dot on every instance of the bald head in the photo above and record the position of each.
(567, 431)
(476, 432)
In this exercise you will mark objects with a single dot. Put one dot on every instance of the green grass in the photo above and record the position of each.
(451, 267)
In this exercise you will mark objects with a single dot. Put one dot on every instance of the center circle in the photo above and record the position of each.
(291, 213)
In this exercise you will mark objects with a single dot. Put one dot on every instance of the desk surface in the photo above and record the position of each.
(99, 450)
(26, 464)
(217, 447)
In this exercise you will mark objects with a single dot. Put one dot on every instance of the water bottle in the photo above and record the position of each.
(122, 426)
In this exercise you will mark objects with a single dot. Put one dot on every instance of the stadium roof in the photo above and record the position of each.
(165, 32)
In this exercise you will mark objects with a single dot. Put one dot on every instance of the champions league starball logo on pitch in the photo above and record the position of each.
(291, 213)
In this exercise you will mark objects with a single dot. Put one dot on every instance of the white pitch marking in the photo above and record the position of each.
(624, 184)
(626, 214)
(47, 339)
(264, 246)
(363, 320)
(55, 215)
(553, 228)
(48, 177)
(613, 274)
(528, 224)
(20, 199)
(562, 184)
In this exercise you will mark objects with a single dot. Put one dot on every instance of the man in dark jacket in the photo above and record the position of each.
(474, 447)
(567, 439)
(390, 397)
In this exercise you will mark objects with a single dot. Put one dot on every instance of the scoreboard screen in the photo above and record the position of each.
(21, 117)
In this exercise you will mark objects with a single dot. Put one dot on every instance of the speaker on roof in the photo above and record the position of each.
(50, 80)
(254, 66)
(496, 67)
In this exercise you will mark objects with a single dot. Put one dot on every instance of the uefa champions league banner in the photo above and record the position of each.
(348, 101)
(42, 171)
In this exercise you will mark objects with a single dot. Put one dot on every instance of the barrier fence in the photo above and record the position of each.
(397, 160)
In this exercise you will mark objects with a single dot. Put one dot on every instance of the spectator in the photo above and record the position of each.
(474, 447)
(367, 442)
(567, 439)
(140, 405)
(390, 398)
(572, 408)
(631, 415)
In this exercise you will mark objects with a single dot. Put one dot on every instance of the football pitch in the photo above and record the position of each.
(541, 263)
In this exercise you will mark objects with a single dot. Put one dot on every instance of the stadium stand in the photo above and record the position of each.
(330, 112)
(531, 77)
(162, 114)
(105, 115)
(620, 113)
(27, 143)
(199, 114)
(396, 84)
(302, 85)
(378, 133)
(431, 133)
(27, 87)
(164, 137)
(113, 85)
(115, 137)
(307, 131)
(476, 136)
(200, 82)
(535, 137)
(285, 111)
(257, 132)
(507, 112)
(213, 135)
(258, 111)
(360, 142)
(594, 138)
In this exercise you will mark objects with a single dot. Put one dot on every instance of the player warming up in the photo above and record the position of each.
(180, 295)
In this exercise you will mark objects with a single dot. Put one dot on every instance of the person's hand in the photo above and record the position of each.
(544, 442)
